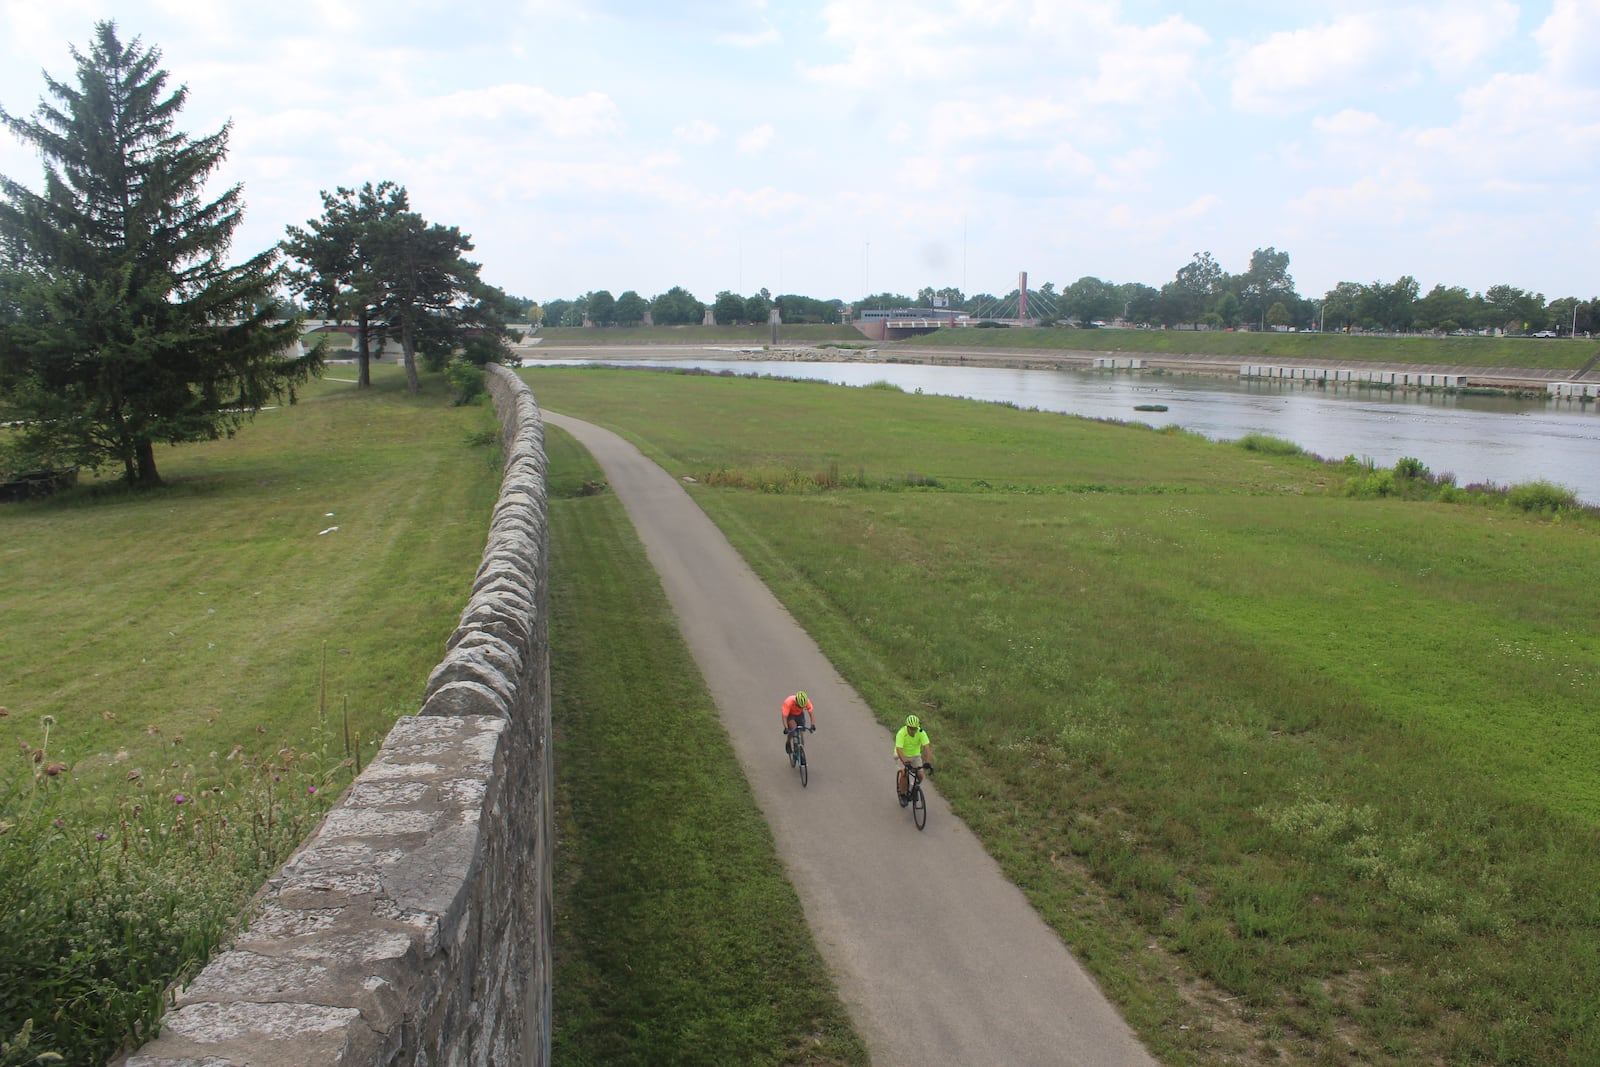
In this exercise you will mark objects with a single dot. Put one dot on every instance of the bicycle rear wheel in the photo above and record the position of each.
(805, 772)
(919, 807)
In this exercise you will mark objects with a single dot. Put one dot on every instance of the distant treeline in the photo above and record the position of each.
(1201, 293)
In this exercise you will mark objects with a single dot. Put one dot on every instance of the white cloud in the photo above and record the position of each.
(1567, 39)
(698, 132)
(757, 139)
(767, 35)
(1391, 199)
(1350, 123)
(1362, 52)
(1151, 66)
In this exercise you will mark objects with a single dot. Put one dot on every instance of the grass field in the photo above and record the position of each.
(1303, 778)
(679, 939)
(199, 669)
(192, 673)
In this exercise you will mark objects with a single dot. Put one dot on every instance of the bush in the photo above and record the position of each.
(1268, 445)
(1542, 496)
(467, 382)
(1372, 483)
(1410, 467)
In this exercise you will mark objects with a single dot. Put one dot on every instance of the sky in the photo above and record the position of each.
(837, 149)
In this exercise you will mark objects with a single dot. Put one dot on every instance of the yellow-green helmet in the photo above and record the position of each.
(802, 700)
(913, 723)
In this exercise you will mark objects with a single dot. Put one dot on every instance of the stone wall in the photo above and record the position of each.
(414, 926)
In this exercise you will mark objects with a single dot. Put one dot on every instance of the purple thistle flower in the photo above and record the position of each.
(311, 790)
(180, 799)
(99, 837)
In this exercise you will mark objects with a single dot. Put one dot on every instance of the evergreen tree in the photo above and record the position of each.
(334, 275)
(431, 293)
(122, 326)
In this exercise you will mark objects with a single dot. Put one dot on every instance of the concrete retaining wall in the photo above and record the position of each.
(1415, 379)
(414, 926)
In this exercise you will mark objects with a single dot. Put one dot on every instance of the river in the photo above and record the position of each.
(1498, 440)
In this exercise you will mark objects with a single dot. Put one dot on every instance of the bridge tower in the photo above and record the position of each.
(1022, 294)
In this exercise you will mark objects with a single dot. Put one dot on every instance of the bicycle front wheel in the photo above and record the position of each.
(805, 772)
(919, 807)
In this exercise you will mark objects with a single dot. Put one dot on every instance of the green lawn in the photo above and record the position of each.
(679, 939)
(191, 673)
(203, 666)
(1304, 778)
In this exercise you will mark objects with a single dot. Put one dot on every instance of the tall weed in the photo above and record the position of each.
(103, 905)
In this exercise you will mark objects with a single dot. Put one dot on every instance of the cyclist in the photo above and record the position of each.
(912, 749)
(796, 709)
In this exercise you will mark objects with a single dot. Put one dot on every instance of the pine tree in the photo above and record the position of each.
(333, 250)
(121, 326)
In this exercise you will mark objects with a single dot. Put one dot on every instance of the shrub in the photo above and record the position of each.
(1373, 483)
(1268, 445)
(1410, 467)
(1542, 496)
(466, 382)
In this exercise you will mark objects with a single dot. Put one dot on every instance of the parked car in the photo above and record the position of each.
(1546, 333)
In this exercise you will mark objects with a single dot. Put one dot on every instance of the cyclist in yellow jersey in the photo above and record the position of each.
(912, 748)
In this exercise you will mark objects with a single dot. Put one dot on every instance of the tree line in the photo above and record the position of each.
(1201, 294)
(122, 326)
(677, 307)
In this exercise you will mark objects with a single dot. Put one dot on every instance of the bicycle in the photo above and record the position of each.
(913, 795)
(797, 751)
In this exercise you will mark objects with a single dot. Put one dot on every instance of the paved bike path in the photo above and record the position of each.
(940, 960)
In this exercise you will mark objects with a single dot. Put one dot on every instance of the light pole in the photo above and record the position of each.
(866, 271)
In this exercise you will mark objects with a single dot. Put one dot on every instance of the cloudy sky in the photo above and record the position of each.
(838, 148)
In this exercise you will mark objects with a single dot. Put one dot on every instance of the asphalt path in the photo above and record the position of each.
(939, 959)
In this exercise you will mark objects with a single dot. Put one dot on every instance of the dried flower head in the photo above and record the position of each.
(53, 769)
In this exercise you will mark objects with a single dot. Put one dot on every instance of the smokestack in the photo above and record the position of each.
(1022, 294)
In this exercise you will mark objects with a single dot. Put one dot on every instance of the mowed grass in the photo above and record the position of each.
(679, 939)
(1302, 778)
(191, 674)
(1532, 352)
(318, 559)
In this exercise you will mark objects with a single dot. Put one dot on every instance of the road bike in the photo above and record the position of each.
(913, 794)
(797, 752)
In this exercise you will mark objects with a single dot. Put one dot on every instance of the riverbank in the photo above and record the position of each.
(1502, 378)
(1300, 775)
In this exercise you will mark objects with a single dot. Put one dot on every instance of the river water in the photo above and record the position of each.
(1480, 439)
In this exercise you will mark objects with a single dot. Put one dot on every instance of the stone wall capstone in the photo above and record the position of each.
(414, 926)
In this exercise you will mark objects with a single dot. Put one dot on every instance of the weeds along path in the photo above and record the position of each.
(939, 958)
